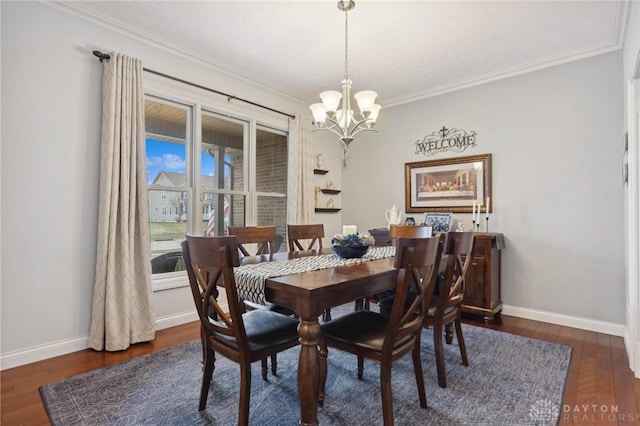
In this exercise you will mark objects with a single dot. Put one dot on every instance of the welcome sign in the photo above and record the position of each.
(455, 140)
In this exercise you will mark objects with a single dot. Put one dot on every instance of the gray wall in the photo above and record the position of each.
(555, 138)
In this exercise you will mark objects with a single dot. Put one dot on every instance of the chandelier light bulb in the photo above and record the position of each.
(319, 113)
(373, 114)
(331, 100)
(344, 119)
(366, 99)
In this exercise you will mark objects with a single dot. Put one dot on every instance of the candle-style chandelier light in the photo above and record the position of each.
(342, 121)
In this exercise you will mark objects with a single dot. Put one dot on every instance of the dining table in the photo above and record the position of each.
(308, 294)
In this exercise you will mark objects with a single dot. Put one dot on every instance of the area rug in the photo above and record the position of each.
(510, 380)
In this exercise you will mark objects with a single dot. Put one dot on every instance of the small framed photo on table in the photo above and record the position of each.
(452, 185)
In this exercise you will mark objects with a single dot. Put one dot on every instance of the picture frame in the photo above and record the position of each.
(448, 185)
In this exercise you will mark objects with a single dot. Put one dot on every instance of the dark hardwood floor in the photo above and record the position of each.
(600, 389)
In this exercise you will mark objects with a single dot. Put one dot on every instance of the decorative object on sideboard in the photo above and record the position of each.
(439, 222)
(454, 140)
(393, 216)
(447, 185)
(344, 122)
(409, 221)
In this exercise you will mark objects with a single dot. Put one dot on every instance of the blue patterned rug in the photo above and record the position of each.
(510, 380)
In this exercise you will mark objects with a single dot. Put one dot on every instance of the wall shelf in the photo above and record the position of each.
(326, 210)
(330, 191)
(320, 172)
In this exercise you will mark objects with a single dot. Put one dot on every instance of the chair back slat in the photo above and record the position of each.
(264, 236)
(458, 246)
(210, 262)
(417, 261)
(314, 233)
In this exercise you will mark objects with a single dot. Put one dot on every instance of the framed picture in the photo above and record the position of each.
(448, 185)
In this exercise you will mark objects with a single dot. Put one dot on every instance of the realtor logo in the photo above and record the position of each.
(544, 412)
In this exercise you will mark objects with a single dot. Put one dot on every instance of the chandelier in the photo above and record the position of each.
(343, 121)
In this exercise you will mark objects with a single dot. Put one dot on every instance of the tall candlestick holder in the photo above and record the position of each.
(478, 226)
(487, 220)
(473, 225)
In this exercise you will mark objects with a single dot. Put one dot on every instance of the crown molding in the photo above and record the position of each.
(76, 9)
(615, 43)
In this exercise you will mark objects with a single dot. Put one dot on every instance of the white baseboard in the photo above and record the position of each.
(40, 352)
(176, 319)
(565, 320)
(63, 347)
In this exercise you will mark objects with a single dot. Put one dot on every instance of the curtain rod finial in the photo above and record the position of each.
(101, 56)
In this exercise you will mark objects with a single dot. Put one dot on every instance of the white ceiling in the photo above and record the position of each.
(404, 50)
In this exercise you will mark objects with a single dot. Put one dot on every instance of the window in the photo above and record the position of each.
(208, 170)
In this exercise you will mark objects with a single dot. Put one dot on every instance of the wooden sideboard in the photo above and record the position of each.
(482, 286)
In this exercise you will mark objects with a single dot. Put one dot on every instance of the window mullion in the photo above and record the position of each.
(196, 170)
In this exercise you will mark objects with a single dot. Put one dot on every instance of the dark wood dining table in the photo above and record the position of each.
(309, 294)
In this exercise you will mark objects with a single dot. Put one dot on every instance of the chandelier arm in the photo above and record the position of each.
(335, 125)
(360, 123)
(331, 129)
(363, 129)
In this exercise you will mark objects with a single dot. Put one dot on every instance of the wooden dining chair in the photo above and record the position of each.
(263, 236)
(405, 231)
(297, 233)
(446, 306)
(241, 336)
(307, 237)
(381, 338)
(395, 232)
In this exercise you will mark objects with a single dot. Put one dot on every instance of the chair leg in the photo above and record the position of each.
(417, 368)
(448, 333)
(463, 348)
(385, 392)
(245, 394)
(437, 343)
(209, 366)
(322, 356)
(326, 315)
(360, 367)
(264, 368)
(274, 364)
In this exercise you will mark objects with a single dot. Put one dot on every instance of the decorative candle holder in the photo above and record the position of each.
(473, 225)
(487, 227)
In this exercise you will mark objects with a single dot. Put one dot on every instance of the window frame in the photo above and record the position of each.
(198, 100)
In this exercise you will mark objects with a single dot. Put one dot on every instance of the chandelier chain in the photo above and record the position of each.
(346, 44)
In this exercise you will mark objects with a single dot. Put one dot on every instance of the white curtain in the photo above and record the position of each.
(300, 190)
(122, 310)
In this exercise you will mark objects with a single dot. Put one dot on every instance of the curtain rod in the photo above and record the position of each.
(105, 57)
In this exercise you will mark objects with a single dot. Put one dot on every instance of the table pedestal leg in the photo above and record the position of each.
(308, 371)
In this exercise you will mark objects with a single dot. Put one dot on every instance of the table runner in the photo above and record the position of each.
(250, 279)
